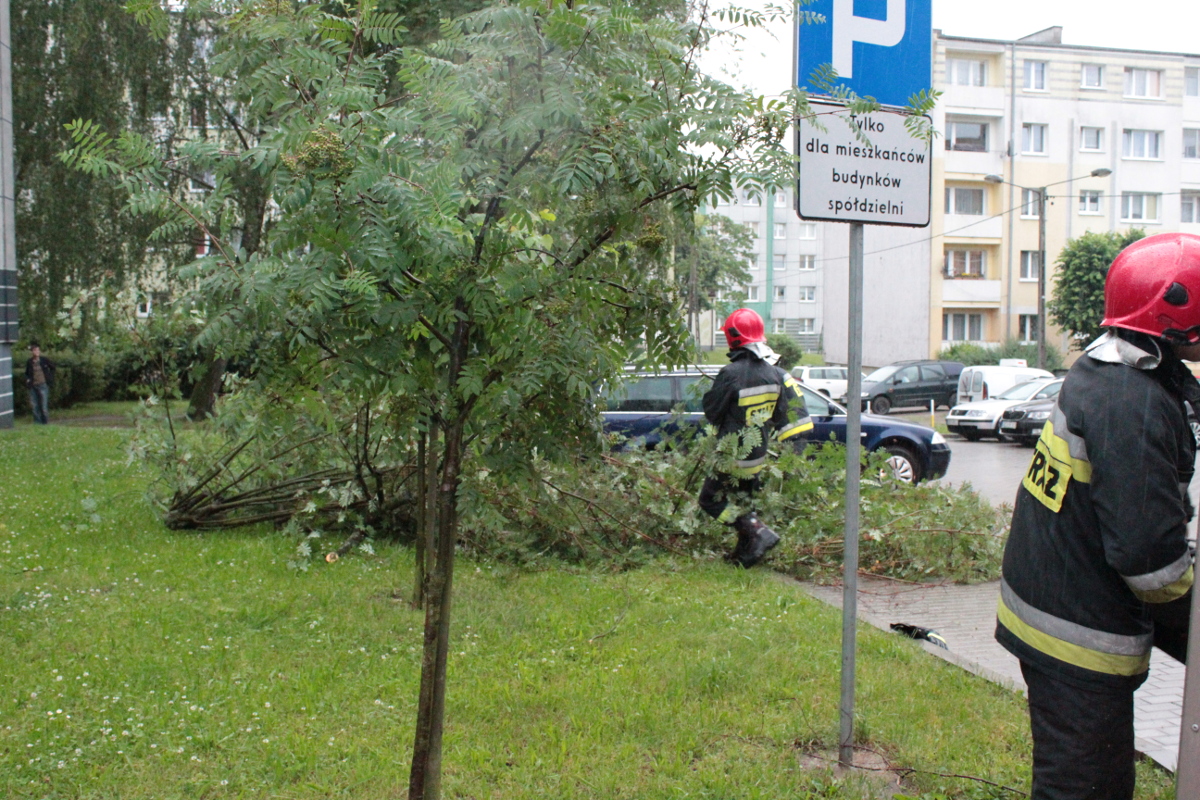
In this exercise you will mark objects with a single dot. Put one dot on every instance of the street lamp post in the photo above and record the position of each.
(1042, 199)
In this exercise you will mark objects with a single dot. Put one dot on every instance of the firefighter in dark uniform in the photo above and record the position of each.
(1098, 568)
(749, 393)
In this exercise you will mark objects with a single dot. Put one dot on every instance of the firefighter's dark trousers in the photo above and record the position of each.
(724, 497)
(1082, 739)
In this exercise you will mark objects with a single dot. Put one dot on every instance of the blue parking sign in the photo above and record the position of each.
(880, 48)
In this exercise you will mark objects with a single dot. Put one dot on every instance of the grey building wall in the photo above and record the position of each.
(8, 249)
(895, 293)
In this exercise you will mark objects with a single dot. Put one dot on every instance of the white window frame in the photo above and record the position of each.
(975, 70)
(1139, 144)
(1189, 207)
(1031, 204)
(778, 325)
(1151, 81)
(1036, 73)
(971, 325)
(1029, 265)
(952, 198)
(780, 230)
(780, 260)
(1027, 327)
(750, 197)
(781, 199)
(808, 230)
(752, 263)
(808, 325)
(1090, 201)
(960, 262)
(1097, 70)
(752, 293)
(781, 293)
(1191, 81)
(752, 227)
(1083, 139)
(808, 294)
(1137, 207)
(952, 137)
(1033, 138)
(145, 307)
(1191, 143)
(808, 263)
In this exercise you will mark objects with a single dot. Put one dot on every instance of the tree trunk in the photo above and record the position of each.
(423, 516)
(203, 401)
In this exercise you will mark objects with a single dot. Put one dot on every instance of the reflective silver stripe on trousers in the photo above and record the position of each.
(1092, 639)
(1076, 444)
(752, 462)
(1152, 581)
(769, 388)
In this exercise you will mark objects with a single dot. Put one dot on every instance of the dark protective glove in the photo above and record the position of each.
(1171, 626)
(917, 632)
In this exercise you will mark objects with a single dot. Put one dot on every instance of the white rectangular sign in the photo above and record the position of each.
(881, 178)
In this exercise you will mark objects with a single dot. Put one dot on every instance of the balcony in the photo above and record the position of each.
(972, 291)
(972, 226)
(972, 162)
(984, 101)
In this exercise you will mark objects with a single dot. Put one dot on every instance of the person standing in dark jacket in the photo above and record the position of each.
(749, 394)
(1097, 568)
(39, 377)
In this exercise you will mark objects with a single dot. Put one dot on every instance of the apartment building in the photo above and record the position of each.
(1113, 135)
(786, 269)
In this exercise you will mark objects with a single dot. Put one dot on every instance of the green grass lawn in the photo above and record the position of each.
(145, 663)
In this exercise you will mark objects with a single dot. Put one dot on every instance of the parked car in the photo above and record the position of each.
(829, 381)
(982, 418)
(641, 410)
(1023, 423)
(988, 380)
(911, 383)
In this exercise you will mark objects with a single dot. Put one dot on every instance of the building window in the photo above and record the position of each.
(752, 293)
(750, 197)
(971, 136)
(1191, 142)
(964, 200)
(1029, 265)
(780, 260)
(962, 327)
(781, 200)
(1092, 76)
(203, 244)
(808, 230)
(1028, 325)
(808, 294)
(781, 293)
(1035, 76)
(720, 201)
(1141, 144)
(1191, 81)
(1139, 207)
(1143, 82)
(752, 228)
(1089, 201)
(808, 325)
(777, 325)
(965, 264)
(1189, 207)
(966, 72)
(752, 263)
(1033, 138)
(808, 262)
(1031, 203)
(144, 308)
(1091, 139)
(780, 230)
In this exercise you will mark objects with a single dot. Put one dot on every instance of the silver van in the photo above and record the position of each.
(984, 382)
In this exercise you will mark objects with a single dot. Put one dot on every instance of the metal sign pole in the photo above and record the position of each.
(1187, 770)
(853, 470)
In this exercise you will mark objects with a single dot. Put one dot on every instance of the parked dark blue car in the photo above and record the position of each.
(642, 408)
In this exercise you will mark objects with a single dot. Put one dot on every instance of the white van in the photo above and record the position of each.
(984, 382)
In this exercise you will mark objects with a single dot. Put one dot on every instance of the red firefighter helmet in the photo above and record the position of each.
(1153, 286)
(744, 327)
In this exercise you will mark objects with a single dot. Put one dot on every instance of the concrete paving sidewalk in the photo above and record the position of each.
(966, 617)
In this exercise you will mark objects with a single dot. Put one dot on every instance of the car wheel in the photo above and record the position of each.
(970, 436)
(952, 400)
(824, 392)
(904, 465)
(881, 405)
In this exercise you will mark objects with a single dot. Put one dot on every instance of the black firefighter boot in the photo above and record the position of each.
(759, 540)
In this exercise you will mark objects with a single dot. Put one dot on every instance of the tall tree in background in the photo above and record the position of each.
(1077, 304)
(712, 263)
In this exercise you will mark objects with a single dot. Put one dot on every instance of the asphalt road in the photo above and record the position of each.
(994, 469)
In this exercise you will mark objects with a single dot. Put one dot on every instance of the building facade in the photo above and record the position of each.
(1020, 115)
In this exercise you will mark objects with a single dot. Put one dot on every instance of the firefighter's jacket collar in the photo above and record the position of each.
(1115, 350)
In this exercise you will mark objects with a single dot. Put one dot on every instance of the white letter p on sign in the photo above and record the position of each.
(848, 29)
